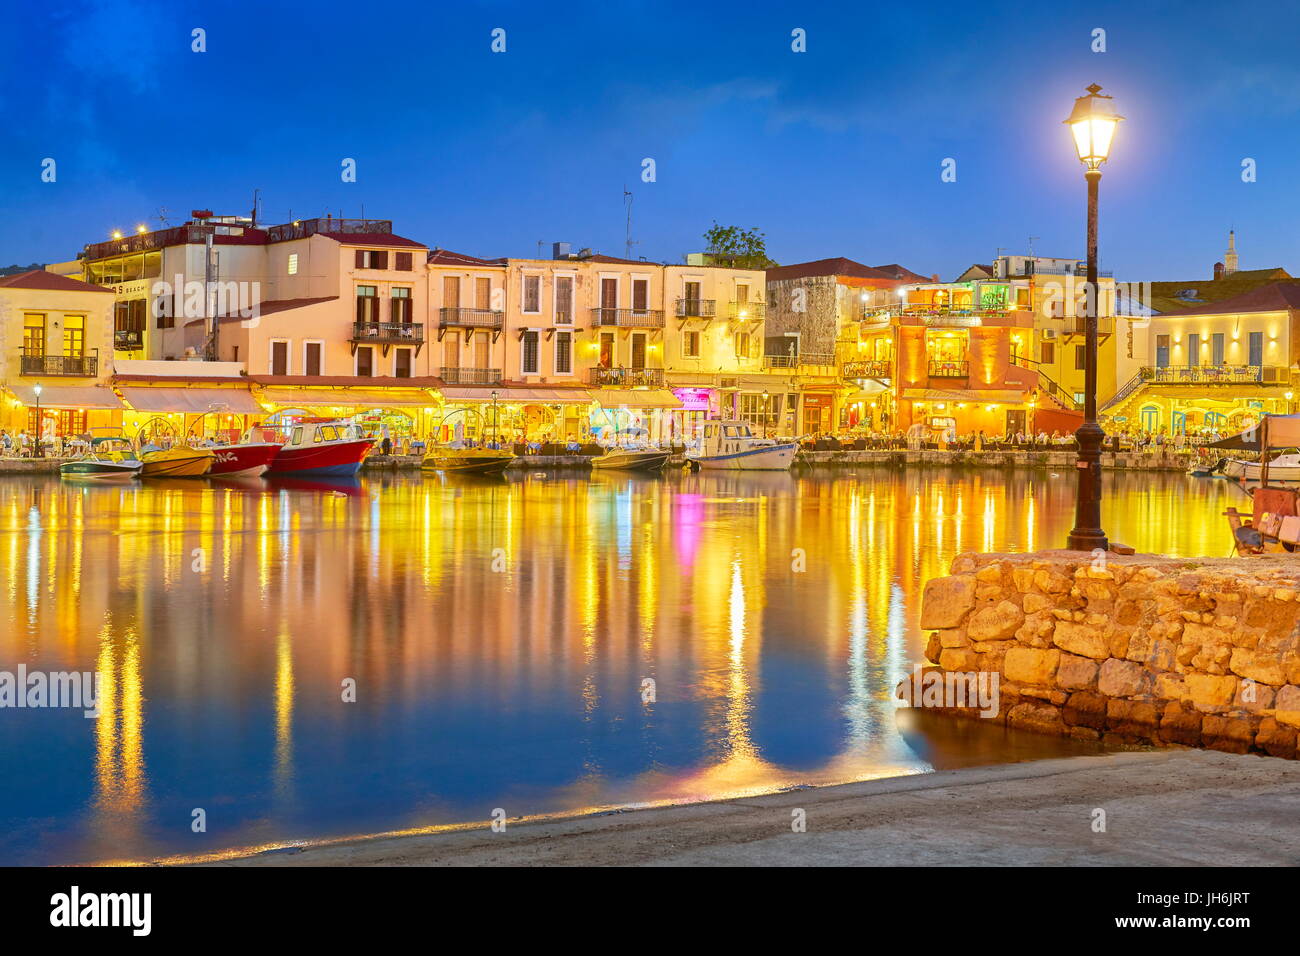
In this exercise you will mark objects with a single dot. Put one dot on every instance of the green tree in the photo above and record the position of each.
(736, 247)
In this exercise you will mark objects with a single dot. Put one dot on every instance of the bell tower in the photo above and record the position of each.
(1230, 257)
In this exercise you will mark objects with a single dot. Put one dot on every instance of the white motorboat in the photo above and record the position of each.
(1282, 468)
(632, 458)
(729, 445)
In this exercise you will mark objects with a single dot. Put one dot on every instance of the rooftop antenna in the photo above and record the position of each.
(162, 216)
(627, 200)
(540, 243)
(1031, 245)
(256, 193)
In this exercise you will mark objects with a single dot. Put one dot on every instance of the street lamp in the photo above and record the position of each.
(495, 427)
(40, 452)
(1092, 122)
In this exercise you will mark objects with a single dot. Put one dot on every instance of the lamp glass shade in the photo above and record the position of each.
(1093, 122)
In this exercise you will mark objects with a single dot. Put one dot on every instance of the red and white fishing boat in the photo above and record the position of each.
(321, 446)
(245, 460)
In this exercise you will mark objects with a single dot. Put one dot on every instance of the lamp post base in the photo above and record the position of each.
(1087, 534)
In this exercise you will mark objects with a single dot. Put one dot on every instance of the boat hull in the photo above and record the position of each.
(632, 460)
(762, 458)
(174, 464)
(243, 461)
(332, 458)
(101, 470)
(467, 464)
(1252, 470)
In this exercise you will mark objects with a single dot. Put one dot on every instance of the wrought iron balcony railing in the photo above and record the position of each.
(866, 369)
(388, 332)
(653, 377)
(1216, 375)
(797, 361)
(747, 310)
(697, 308)
(471, 318)
(943, 368)
(470, 376)
(629, 318)
(83, 366)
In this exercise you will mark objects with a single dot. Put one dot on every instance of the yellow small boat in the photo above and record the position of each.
(180, 461)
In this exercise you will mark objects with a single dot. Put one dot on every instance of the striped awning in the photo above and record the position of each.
(538, 395)
(67, 396)
(193, 401)
(636, 398)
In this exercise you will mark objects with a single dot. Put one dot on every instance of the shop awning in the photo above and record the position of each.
(869, 390)
(989, 396)
(67, 396)
(348, 397)
(636, 398)
(194, 401)
(535, 396)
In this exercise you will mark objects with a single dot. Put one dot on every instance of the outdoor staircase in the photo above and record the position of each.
(1129, 387)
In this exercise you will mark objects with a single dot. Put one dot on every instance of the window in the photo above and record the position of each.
(163, 312)
(280, 358)
(606, 349)
(401, 305)
(34, 335)
(1162, 351)
(1256, 348)
(1080, 356)
(367, 304)
(692, 298)
(691, 345)
(1194, 349)
(564, 300)
(74, 336)
(293, 263)
(532, 294)
(742, 293)
(761, 409)
(1048, 353)
(365, 361)
(451, 351)
(742, 345)
(563, 353)
(402, 363)
(638, 350)
(371, 259)
(451, 292)
(483, 294)
(482, 350)
(528, 361)
(402, 261)
(1216, 348)
(640, 294)
(129, 316)
(311, 358)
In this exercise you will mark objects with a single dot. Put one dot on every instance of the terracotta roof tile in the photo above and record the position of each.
(40, 279)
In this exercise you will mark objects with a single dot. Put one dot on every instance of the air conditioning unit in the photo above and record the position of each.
(1049, 333)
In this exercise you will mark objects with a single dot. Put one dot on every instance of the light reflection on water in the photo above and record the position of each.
(519, 687)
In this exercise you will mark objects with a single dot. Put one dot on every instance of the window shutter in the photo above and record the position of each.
(361, 258)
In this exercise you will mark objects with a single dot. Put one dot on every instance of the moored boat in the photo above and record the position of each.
(479, 461)
(729, 445)
(321, 447)
(1282, 468)
(179, 461)
(245, 460)
(632, 459)
(109, 458)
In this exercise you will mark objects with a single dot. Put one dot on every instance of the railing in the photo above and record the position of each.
(942, 368)
(128, 340)
(1215, 375)
(1078, 325)
(795, 361)
(1131, 386)
(388, 332)
(747, 310)
(86, 366)
(697, 308)
(1047, 384)
(629, 318)
(470, 376)
(627, 376)
(471, 318)
(868, 369)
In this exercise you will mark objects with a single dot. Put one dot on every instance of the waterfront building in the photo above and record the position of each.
(815, 328)
(1218, 366)
(55, 332)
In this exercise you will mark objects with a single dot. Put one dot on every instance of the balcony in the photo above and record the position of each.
(470, 319)
(470, 376)
(697, 308)
(628, 318)
(1216, 375)
(80, 366)
(796, 361)
(867, 369)
(128, 340)
(388, 332)
(943, 368)
(628, 377)
(746, 310)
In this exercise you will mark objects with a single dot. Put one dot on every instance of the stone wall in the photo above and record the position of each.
(1134, 461)
(1136, 649)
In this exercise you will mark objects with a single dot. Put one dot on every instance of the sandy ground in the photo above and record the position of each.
(1174, 807)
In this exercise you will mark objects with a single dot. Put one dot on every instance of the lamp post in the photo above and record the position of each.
(1092, 122)
(495, 425)
(40, 452)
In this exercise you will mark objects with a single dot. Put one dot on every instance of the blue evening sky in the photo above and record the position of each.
(836, 151)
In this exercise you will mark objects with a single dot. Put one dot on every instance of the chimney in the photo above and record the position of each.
(559, 250)
(934, 277)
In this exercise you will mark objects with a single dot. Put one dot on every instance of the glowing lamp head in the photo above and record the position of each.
(37, 389)
(1093, 122)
